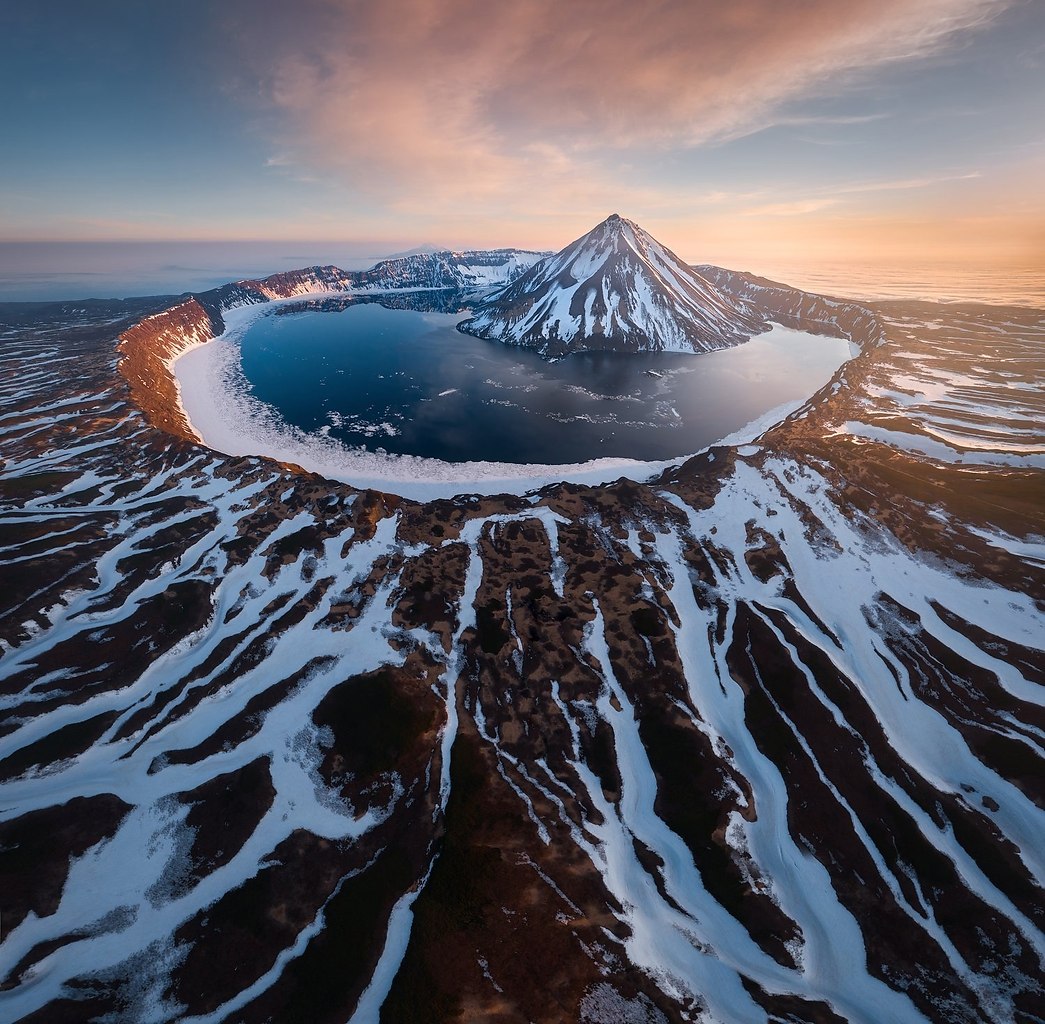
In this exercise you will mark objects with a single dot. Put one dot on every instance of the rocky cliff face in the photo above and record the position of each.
(147, 352)
(757, 740)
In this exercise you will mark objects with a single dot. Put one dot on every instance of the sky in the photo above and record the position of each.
(735, 132)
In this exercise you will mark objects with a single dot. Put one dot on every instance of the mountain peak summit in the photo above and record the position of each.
(615, 222)
(615, 288)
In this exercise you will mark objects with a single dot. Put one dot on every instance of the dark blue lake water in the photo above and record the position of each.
(408, 382)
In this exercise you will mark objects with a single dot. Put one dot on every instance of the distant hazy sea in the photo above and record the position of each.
(1020, 285)
(39, 271)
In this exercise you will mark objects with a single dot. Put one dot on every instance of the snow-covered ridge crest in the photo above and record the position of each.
(147, 351)
(615, 288)
(471, 271)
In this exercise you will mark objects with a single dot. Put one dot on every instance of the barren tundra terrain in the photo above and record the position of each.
(757, 740)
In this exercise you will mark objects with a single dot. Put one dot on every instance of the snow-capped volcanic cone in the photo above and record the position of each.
(616, 288)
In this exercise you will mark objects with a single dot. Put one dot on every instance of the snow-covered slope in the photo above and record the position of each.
(472, 271)
(758, 740)
(615, 288)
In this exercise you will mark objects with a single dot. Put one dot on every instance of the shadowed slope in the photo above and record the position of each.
(760, 739)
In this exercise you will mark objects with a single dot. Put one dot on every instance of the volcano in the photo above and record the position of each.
(614, 289)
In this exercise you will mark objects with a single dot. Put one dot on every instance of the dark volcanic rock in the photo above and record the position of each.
(757, 740)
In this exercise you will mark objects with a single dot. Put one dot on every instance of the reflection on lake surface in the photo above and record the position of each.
(408, 382)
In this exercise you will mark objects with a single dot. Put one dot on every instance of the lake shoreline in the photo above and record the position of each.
(231, 420)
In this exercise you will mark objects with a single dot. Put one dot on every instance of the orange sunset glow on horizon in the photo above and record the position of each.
(750, 134)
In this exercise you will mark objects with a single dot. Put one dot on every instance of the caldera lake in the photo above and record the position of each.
(407, 382)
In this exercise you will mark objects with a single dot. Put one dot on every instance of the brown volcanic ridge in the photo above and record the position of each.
(757, 740)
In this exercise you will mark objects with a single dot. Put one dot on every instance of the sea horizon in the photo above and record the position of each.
(70, 271)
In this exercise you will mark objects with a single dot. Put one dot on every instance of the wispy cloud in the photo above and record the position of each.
(431, 104)
(834, 195)
(901, 184)
(791, 209)
(829, 120)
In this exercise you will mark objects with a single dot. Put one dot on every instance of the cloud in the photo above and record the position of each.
(427, 104)
(902, 184)
(822, 119)
(796, 208)
(822, 198)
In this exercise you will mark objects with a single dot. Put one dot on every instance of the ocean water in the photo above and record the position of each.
(47, 271)
(409, 383)
(1017, 284)
(40, 271)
